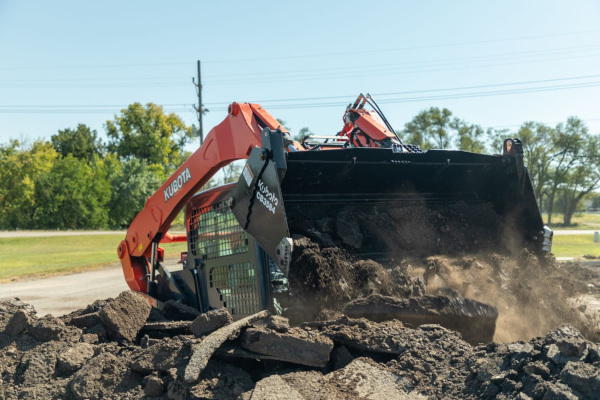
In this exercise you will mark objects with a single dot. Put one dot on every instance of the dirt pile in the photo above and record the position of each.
(264, 358)
(455, 251)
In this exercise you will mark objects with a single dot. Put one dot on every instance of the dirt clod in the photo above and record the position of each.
(124, 317)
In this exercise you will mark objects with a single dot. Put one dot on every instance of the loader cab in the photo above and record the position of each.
(230, 269)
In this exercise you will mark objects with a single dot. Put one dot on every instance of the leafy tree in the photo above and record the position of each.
(537, 140)
(72, 195)
(470, 137)
(568, 140)
(131, 182)
(147, 133)
(583, 177)
(20, 168)
(430, 129)
(81, 142)
(435, 128)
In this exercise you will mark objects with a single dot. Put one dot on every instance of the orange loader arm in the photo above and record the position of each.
(233, 139)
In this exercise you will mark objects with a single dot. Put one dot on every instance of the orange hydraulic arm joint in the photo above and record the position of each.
(233, 139)
(365, 128)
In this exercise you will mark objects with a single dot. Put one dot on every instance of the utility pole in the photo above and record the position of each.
(198, 108)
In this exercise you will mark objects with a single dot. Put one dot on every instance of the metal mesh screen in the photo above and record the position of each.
(214, 232)
(236, 285)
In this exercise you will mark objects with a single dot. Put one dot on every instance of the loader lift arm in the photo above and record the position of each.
(233, 139)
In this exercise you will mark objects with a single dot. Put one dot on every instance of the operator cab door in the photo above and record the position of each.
(232, 270)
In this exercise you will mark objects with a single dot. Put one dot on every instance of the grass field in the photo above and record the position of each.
(45, 256)
(31, 257)
(575, 246)
(580, 221)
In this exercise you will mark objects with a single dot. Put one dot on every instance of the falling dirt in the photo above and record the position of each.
(457, 251)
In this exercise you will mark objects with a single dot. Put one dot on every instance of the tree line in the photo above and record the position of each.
(77, 181)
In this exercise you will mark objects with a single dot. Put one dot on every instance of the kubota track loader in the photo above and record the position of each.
(239, 236)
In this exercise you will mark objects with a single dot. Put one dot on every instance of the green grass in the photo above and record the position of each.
(575, 246)
(29, 257)
(580, 221)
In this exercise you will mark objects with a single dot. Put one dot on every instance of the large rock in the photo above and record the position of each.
(210, 322)
(296, 346)
(125, 316)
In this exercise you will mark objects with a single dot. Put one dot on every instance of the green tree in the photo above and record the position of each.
(583, 176)
(568, 140)
(20, 168)
(72, 195)
(147, 133)
(538, 146)
(430, 129)
(81, 142)
(131, 182)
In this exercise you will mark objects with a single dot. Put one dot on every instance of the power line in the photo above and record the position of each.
(316, 55)
(275, 105)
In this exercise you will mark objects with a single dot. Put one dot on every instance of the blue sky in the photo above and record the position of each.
(496, 64)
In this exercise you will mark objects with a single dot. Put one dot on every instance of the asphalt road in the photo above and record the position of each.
(62, 294)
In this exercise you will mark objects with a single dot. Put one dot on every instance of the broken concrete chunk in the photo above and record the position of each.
(179, 312)
(210, 322)
(73, 358)
(17, 323)
(203, 351)
(297, 346)
(124, 317)
(278, 323)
